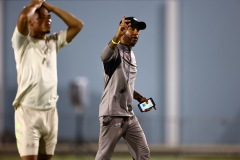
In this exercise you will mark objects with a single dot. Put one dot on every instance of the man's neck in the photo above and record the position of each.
(127, 45)
(38, 36)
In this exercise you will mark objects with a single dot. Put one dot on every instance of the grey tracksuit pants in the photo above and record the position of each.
(113, 128)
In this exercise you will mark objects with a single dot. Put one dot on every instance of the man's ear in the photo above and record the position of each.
(30, 23)
(31, 19)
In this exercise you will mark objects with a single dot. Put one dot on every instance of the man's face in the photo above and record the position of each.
(131, 36)
(41, 21)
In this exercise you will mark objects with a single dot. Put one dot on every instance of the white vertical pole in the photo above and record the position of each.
(1, 72)
(172, 128)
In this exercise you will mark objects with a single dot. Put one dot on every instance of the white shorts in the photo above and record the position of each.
(36, 130)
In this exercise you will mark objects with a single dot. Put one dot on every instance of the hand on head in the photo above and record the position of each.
(48, 6)
(38, 3)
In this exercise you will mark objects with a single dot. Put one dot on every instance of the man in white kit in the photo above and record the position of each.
(36, 118)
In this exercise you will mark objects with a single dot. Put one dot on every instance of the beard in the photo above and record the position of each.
(128, 40)
(47, 32)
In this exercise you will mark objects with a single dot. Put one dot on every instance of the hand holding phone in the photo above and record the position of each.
(147, 106)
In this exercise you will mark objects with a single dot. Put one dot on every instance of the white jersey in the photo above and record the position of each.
(36, 66)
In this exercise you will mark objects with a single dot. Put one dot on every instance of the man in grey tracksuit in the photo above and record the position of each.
(116, 114)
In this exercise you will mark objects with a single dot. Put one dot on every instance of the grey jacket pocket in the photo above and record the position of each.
(106, 120)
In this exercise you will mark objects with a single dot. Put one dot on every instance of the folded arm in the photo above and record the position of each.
(26, 15)
(74, 24)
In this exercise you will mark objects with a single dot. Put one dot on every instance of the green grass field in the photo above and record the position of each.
(118, 157)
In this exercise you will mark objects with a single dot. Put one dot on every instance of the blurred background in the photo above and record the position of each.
(188, 62)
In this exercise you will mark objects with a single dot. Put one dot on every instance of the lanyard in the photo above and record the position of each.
(127, 70)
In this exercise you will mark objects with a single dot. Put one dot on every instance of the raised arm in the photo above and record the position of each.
(26, 15)
(122, 29)
(73, 23)
(109, 50)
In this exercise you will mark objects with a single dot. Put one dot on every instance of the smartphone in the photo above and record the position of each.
(143, 106)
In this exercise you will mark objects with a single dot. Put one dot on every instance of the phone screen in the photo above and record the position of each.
(143, 106)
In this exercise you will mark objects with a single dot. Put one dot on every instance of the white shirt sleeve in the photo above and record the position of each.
(18, 41)
(61, 40)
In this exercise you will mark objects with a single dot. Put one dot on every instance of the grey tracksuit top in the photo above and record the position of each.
(119, 75)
